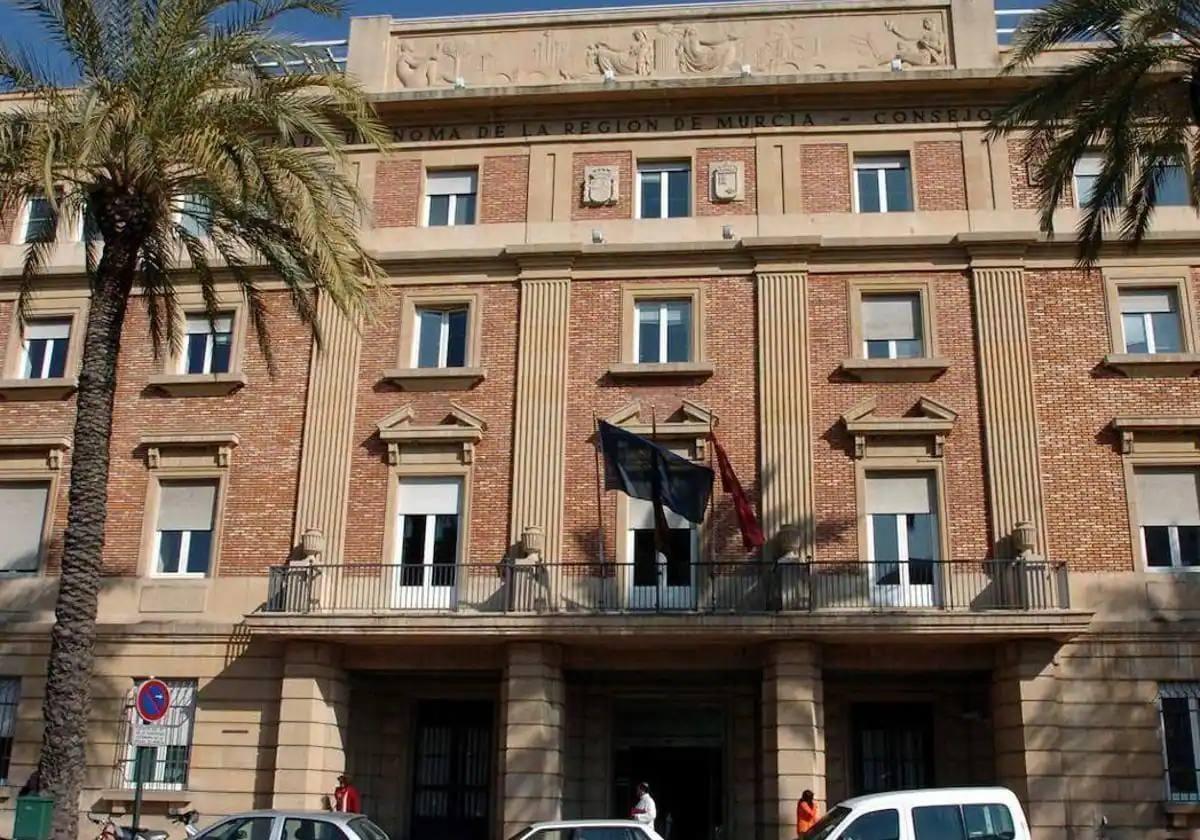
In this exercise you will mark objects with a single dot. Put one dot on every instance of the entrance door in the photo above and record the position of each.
(685, 783)
(893, 746)
(661, 581)
(452, 771)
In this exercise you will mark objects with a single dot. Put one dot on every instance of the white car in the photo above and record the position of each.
(587, 830)
(984, 813)
(293, 825)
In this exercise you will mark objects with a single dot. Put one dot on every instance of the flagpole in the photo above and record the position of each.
(599, 490)
(712, 497)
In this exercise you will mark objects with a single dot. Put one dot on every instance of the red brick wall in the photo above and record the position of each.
(397, 193)
(704, 203)
(623, 209)
(832, 394)
(504, 192)
(825, 178)
(730, 393)
(941, 184)
(1024, 191)
(492, 399)
(1082, 475)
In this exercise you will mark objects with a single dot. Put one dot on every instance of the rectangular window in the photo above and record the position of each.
(450, 197)
(39, 220)
(208, 343)
(183, 539)
(882, 184)
(1181, 739)
(441, 338)
(1169, 506)
(1173, 188)
(664, 190)
(195, 216)
(963, 822)
(902, 537)
(663, 332)
(44, 348)
(1087, 173)
(892, 326)
(22, 523)
(165, 767)
(1150, 320)
(10, 696)
(429, 511)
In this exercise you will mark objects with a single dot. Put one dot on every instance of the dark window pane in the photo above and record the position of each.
(36, 357)
(445, 548)
(300, 829)
(195, 216)
(645, 559)
(222, 344)
(1158, 545)
(878, 349)
(1172, 187)
(1177, 733)
(196, 346)
(91, 228)
(910, 348)
(144, 761)
(456, 346)
(989, 822)
(887, 549)
(58, 357)
(429, 338)
(439, 210)
(679, 561)
(868, 190)
(1166, 332)
(412, 551)
(877, 825)
(199, 551)
(168, 551)
(1189, 545)
(648, 326)
(175, 761)
(241, 828)
(1085, 185)
(1135, 333)
(41, 225)
(679, 332)
(679, 193)
(938, 822)
(651, 195)
(464, 209)
(899, 193)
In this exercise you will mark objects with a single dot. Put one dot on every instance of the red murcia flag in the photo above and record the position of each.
(752, 535)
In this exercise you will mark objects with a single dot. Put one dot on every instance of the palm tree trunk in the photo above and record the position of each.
(72, 639)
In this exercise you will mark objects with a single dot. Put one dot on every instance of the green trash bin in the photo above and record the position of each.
(33, 817)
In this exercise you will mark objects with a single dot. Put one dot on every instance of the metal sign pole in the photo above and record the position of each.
(137, 789)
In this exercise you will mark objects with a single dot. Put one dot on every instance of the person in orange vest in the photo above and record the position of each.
(806, 813)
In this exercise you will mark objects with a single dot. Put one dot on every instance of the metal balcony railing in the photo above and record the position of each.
(742, 588)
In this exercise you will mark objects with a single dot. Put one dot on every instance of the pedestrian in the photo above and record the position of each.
(644, 810)
(806, 813)
(345, 797)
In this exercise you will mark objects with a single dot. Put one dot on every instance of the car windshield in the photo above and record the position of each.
(828, 824)
(367, 830)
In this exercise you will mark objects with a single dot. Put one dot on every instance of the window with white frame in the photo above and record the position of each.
(1087, 173)
(1150, 320)
(882, 184)
(209, 342)
(892, 326)
(195, 215)
(663, 332)
(1179, 704)
(184, 536)
(165, 767)
(664, 190)
(1168, 503)
(450, 197)
(440, 339)
(902, 529)
(44, 348)
(1173, 187)
(428, 532)
(655, 565)
(10, 697)
(39, 219)
(22, 523)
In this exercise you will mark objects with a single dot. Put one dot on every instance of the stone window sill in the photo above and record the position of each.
(435, 379)
(1181, 813)
(679, 370)
(198, 384)
(25, 390)
(1150, 365)
(924, 369)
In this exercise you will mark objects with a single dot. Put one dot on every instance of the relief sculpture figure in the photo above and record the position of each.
(922, 50)
(417, 71)
(638, 60)
(699, 56)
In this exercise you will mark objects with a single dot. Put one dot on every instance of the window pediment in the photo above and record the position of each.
(928, 426)
(1162, 434)
(43, 448)
(188, 449)
(691, 423)
(459, 427)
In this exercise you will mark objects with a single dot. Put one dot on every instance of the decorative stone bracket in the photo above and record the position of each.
(460, 427)
(933, 422)
(1158, 432)
(221, 444)
(691, 421)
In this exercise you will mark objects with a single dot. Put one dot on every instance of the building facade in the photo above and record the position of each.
(783, 225)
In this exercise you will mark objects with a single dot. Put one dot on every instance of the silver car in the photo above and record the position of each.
(293, 825)
(587, 830)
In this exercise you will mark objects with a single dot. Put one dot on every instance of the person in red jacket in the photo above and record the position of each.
(806, 813)
(346, 798)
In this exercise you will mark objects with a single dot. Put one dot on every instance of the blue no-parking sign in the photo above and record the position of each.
(153, 700)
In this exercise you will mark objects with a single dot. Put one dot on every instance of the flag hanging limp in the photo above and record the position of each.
(752, 535)
(644, 470)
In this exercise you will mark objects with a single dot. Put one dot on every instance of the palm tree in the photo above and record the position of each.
(1133, 97)
(176, 100)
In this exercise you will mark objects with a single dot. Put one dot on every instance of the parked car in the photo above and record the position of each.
(293, 825)
(984, 813)
(587, 830)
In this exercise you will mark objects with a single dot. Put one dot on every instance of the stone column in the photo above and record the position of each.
(1009, 409)
(532, 757)
(793, 737)
(1026, 725)
(313, 725)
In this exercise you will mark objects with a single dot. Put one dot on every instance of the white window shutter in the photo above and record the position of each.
(22, 519)
(891, 317)
(900, 493)
(1168, 496)
(187, 505)
(419, 496)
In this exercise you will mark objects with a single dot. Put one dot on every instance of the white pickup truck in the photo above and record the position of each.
(984, 813)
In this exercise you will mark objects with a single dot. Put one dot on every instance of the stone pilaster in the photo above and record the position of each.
(793, 737)
(784, 405)
(328, 430)
(539, 439)
(532, 757)
(313, 725)
(1009, 411)
(1026, 727)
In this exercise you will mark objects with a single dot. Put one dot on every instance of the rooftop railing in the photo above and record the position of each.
(741, 588)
